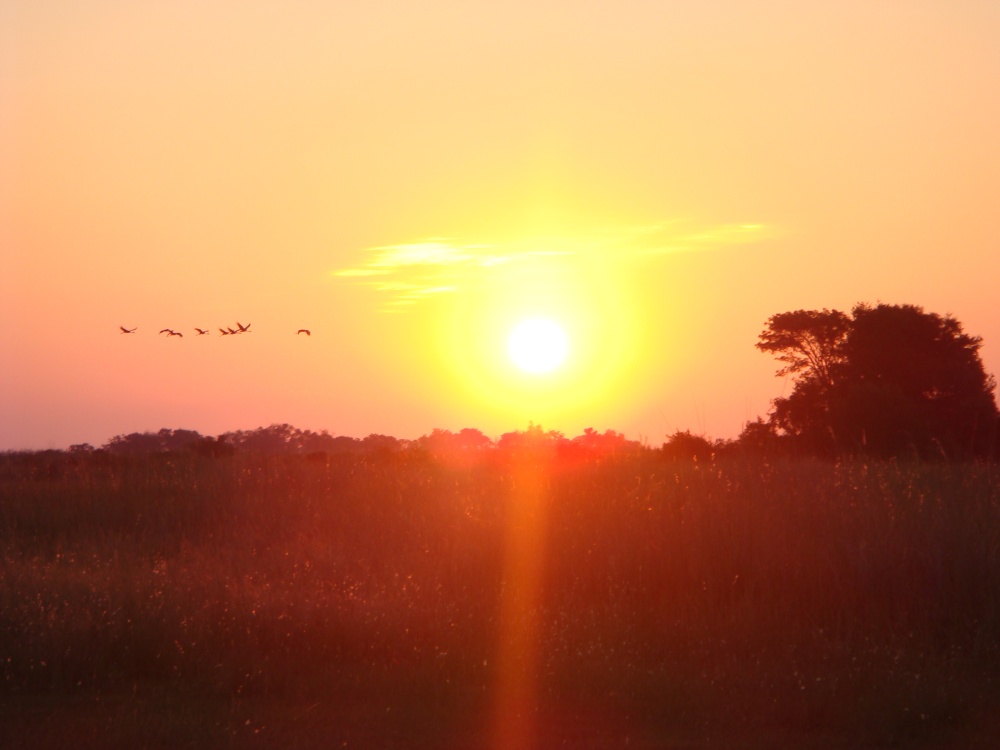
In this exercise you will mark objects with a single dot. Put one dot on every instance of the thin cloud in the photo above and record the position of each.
(410, 272)
(437, 252)
(662, 241)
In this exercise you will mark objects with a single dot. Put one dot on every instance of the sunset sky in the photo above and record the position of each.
(409, 180)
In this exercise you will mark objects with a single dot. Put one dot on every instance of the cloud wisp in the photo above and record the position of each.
(411, 272)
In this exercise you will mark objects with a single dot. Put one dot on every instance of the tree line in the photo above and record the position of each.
(883, 381)
(277, 439)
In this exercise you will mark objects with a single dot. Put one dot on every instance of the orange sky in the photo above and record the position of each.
(408, 180)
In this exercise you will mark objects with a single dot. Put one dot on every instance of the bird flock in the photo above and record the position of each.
(224, 331)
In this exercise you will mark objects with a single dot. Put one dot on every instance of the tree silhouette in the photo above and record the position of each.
(594, 445)
(163, 441)
(807, 341)
(465, 448)
(886, 380)
(532, 441)
(686, 446)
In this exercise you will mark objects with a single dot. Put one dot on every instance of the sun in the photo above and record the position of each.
(537, 345)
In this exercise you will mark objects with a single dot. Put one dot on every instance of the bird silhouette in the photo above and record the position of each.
(167, 331)
(243, 328)
(223, 331)
(175, 333)
(200, 331)
(306, 331)
(127, 330)
(231, 330)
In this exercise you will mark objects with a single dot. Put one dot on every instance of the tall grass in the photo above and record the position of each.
(280, 601)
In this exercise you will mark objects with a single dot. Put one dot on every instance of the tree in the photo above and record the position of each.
(688, 447)
(383, 446)
(758, 437)
(461, 449)
(533, 440)
(807, 341)
(148, 442)
(885, 380)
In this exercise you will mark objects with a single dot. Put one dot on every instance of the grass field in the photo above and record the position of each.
(182, 601)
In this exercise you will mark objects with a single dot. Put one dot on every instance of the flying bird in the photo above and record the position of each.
(200, 331)
(175, 333)
(167, 331)
(231, 330)
(243, 328)
(127, 330)
(306, 331)
(223, 331)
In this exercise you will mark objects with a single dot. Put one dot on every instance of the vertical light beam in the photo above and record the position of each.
(520, 608)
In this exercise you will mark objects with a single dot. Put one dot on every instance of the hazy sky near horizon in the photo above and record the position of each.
(409, 180)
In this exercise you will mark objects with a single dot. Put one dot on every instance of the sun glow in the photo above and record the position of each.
(538, 345)
(554, 335)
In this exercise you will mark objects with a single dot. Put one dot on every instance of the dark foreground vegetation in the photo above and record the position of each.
(423, 599)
